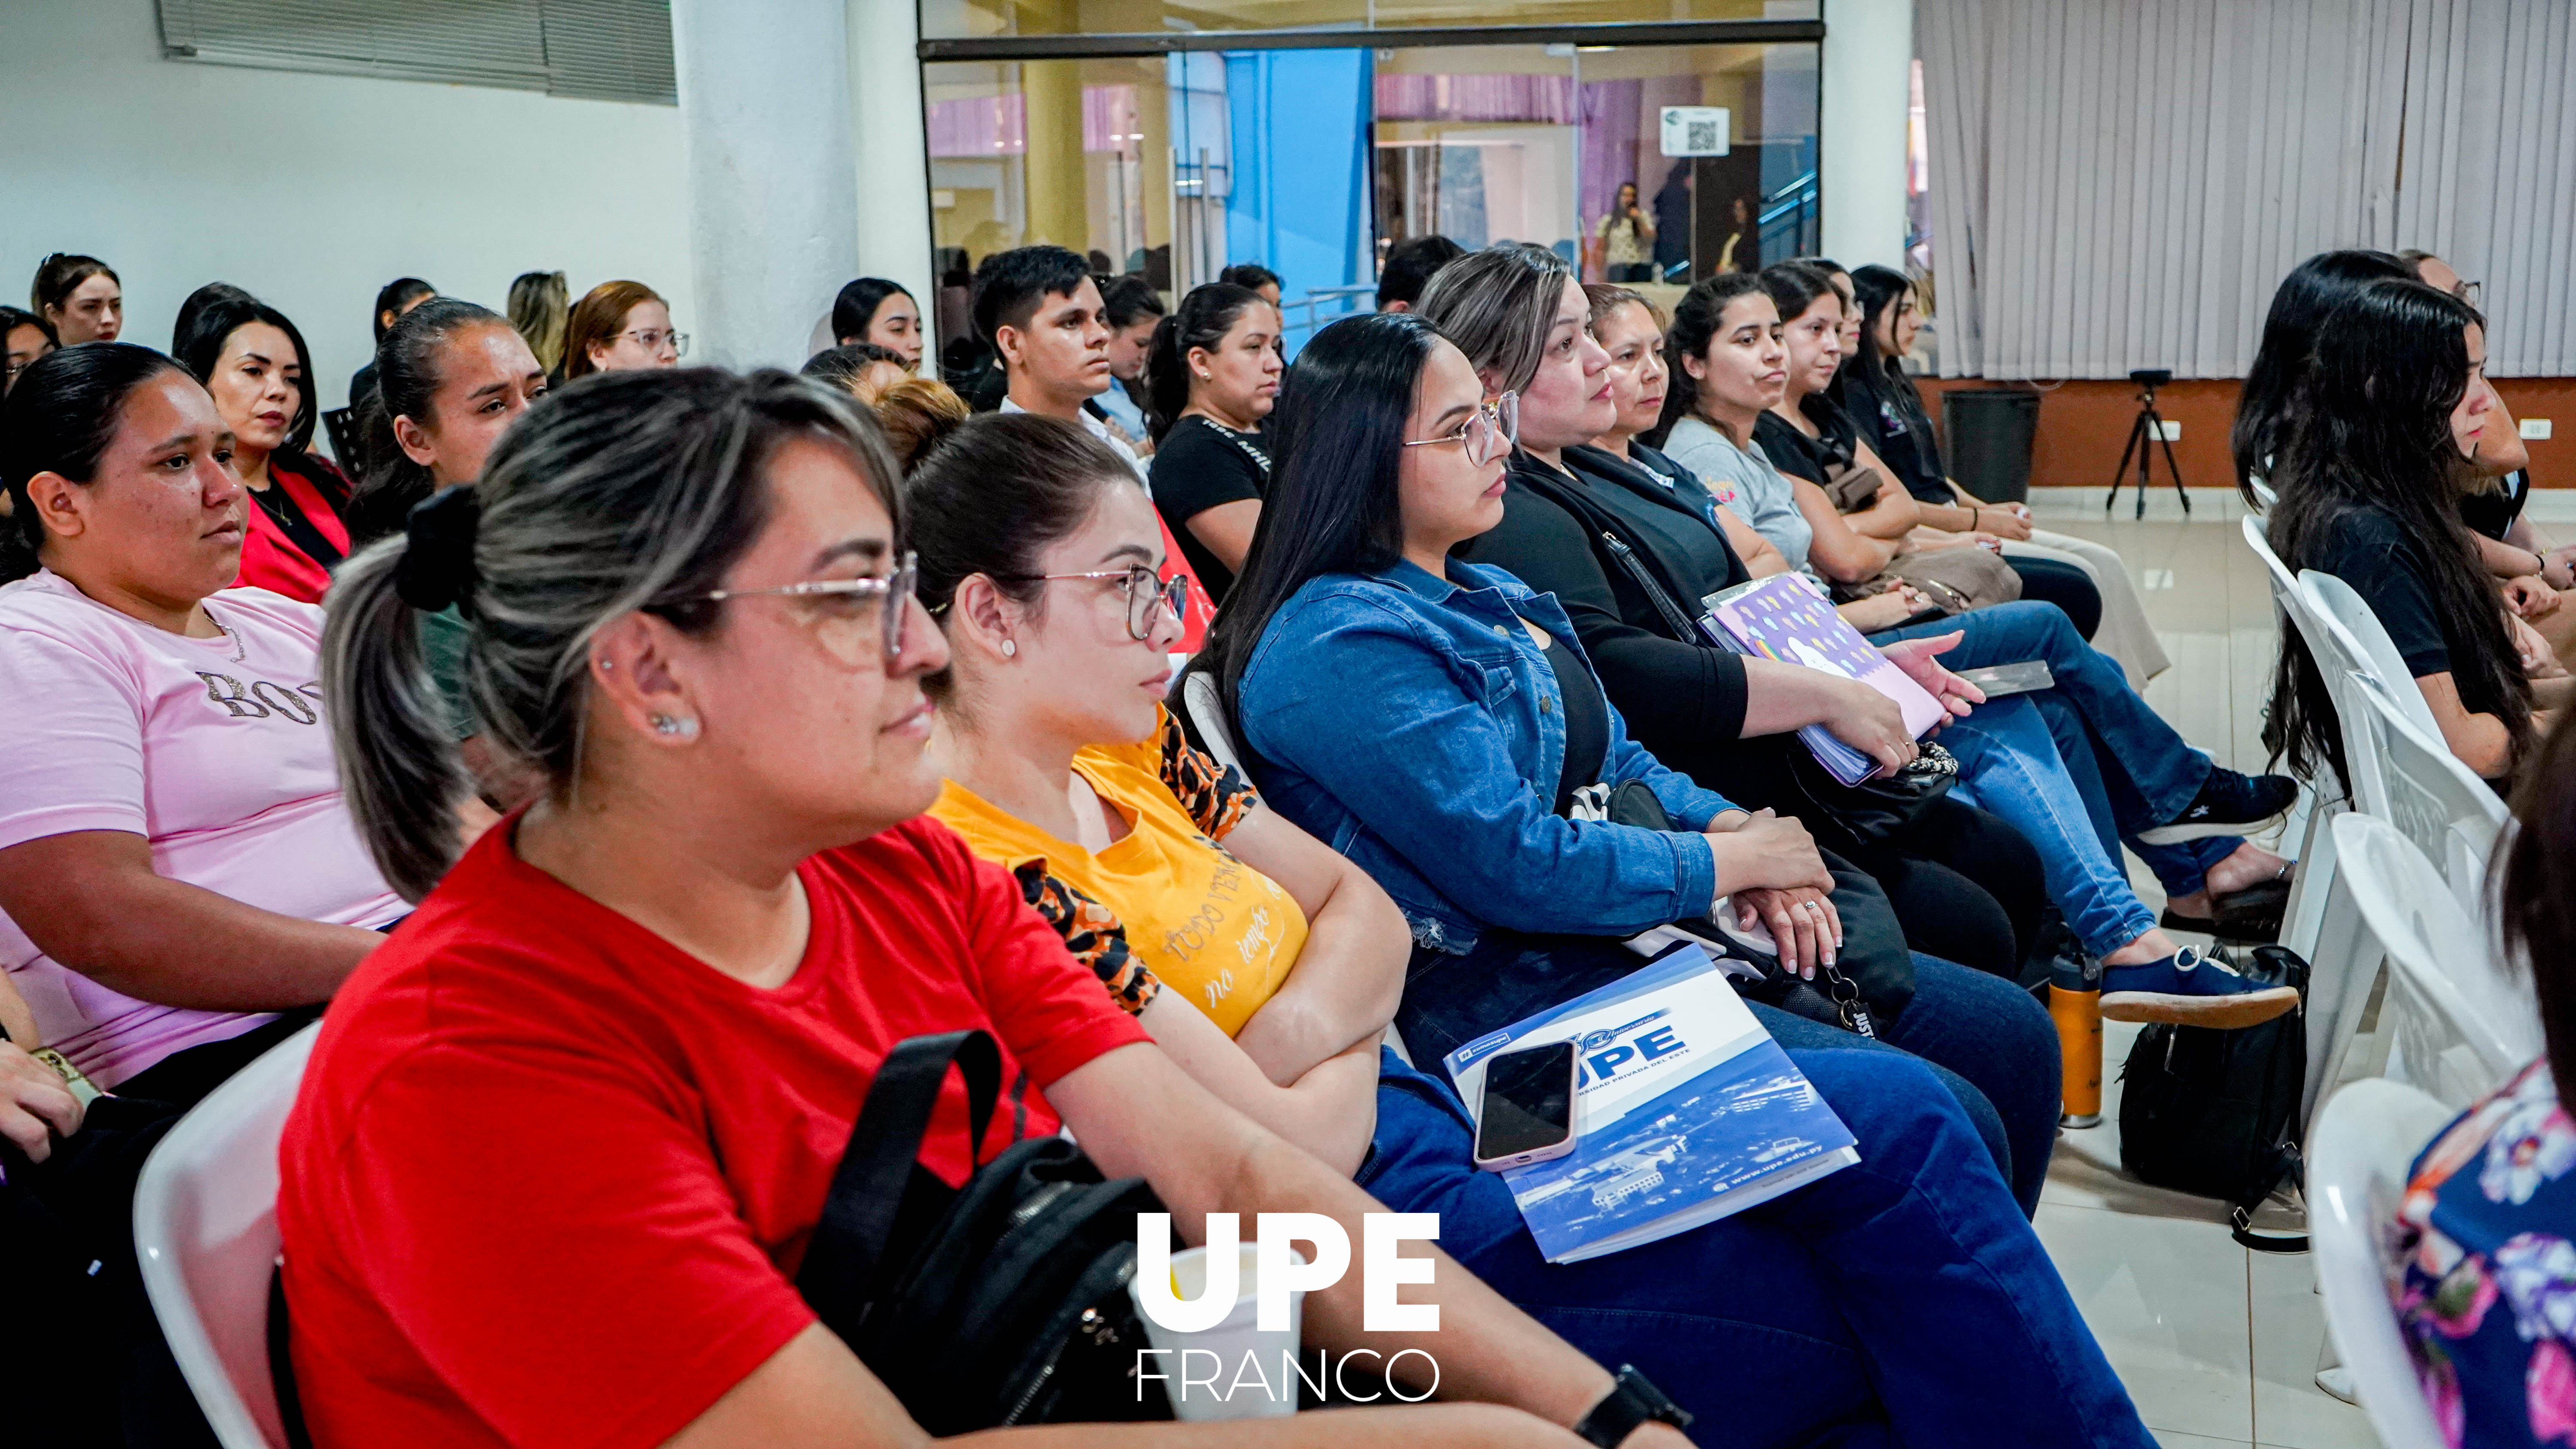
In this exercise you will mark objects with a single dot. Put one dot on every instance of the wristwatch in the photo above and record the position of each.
(1632, 1401)
(81, 1088)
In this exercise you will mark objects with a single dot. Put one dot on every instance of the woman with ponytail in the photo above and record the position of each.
(1210, 378)
(660, 991)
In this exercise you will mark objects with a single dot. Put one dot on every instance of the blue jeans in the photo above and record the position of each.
(1983, 1037)
(1899, 1300)
(2133, 770)
(2009, 765)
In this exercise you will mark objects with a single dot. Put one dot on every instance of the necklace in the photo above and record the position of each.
(241, 647)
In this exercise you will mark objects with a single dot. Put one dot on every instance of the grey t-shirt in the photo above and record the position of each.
(1760, 494)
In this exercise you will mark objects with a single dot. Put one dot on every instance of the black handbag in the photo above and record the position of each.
(997, 1303)
(2216, 1113)
(1883, 807)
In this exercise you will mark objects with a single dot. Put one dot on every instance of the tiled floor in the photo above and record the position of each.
(2217, 1344)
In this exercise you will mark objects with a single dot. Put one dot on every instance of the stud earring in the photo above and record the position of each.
(681, 728)
(1010, 647)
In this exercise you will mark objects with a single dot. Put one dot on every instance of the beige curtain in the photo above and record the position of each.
(2120, 184)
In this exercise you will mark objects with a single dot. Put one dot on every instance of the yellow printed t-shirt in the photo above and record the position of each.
(1204, 923)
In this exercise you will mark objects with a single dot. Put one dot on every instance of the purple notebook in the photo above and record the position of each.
(1786, 618)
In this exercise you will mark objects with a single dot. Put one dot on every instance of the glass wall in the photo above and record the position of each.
(976, 19)
(1312, 162)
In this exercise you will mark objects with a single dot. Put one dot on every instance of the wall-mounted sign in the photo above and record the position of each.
(1695, 130)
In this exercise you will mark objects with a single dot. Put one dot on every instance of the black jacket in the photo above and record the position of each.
(1683, 699)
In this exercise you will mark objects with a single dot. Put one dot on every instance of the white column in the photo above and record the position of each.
(1868, 76)
(889, 144)
(765, 119)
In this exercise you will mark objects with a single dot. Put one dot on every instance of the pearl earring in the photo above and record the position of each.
(681, 728)
(1010, 647)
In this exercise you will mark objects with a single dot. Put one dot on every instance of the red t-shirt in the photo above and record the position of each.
(548, 1178)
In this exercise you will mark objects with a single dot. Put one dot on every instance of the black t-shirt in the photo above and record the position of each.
(1790, 451)
(2494, 514)
(2372, 552)
(1200, 465)
(1888, 414)
(1587, 720)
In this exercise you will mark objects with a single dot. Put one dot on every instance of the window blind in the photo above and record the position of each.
(592, 49)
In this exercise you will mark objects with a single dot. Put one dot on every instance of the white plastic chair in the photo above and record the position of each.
(2454, 817)
(2264, 497)
(2321, 800)
(2357, 1162)
(205, 1231)
(2459, 1022)
(2363, 645)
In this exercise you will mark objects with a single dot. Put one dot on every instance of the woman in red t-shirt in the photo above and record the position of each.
(562, 1141)
(254, 363)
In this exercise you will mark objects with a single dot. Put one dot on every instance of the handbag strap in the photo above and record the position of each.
(846, 1254)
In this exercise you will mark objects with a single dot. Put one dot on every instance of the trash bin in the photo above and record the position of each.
(1986, 434)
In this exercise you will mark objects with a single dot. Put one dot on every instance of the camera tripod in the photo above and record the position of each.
(2150, 427)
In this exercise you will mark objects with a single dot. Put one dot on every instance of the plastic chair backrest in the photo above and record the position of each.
(2365, 744)
(2454, 817)
(2264, 497)
(2285, 584)
(2357, 1165)
(205, 1233)
(2462, 1022)
(1207, 711)
(2363, 641)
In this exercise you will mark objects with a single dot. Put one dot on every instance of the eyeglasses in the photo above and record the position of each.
(652, 338)
(1149, 596)
(2469, 292)
(893, 594)
(1490, 432)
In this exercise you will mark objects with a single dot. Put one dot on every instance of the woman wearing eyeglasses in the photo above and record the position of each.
(620, 326)
(1266, 965)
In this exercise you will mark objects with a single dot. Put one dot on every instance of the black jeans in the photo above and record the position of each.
(1965, 885)
(2053, 581)
(99, 1370)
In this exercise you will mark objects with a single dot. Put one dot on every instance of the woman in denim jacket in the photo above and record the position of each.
(1848, 1311)
(1415, 722)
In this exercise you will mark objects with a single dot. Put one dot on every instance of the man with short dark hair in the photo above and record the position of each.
(1409, 265)
(1041, 310)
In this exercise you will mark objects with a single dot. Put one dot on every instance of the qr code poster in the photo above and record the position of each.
(1695, 130)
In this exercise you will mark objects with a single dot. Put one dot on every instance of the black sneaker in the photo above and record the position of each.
(2228, 804)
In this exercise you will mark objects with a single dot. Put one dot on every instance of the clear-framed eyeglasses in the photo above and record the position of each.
(1490, 432)
(847, 600)
(652, 338)
(1149, 596)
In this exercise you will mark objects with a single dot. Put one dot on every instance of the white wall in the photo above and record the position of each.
(314, 190)
(1868, 80)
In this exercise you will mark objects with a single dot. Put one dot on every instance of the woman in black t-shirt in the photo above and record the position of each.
(2369, 482)
(1210, 380)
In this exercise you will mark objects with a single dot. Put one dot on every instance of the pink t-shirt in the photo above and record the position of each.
(212, 749)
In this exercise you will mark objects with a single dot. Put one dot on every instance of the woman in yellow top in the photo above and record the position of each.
(1845, 1309)
(1050, 594)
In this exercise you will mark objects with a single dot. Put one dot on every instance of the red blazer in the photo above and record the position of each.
(271, 558)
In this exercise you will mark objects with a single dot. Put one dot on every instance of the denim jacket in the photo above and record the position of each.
(1412, 724)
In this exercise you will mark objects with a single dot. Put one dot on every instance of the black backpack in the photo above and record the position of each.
(1002, 1302)
(2216, 1113)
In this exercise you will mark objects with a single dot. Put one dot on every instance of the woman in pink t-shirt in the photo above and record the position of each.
(176, 865)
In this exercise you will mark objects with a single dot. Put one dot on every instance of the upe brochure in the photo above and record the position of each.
(1685, 1111)
(1787, 617)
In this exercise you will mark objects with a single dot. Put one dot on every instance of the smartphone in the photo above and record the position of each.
(1528, 1114)
(1998, 680)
